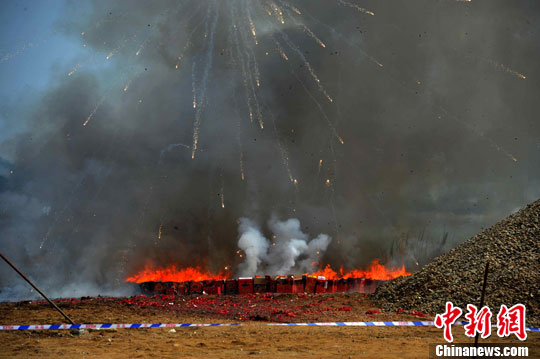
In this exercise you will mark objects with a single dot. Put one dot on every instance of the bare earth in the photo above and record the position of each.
(254, 339)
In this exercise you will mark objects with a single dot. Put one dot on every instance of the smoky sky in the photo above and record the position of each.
(436, 103)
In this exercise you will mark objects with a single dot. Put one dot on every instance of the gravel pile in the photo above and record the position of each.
(512, 248)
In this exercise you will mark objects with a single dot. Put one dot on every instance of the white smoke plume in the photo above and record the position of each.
(289, 251)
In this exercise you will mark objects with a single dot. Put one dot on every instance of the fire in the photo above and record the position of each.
(375, 271)
(173, 274)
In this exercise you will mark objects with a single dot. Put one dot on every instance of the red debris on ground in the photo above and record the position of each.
(373, 311)
(261, 307)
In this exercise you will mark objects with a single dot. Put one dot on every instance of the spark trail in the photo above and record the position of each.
(330, 124)
(277, 12)
(250, 58)
(504, 68)
(252, 26)
(193, 84)
(96, 108)
(345, 38)
(354, 6)
(222, 190)
(295, 48)
(204, 80)
(479, 133)
(251, 95)
(304, 28)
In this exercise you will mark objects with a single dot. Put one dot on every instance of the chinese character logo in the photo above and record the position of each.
(509, 321)
(479, 321)
(447, 319)
(512, 321)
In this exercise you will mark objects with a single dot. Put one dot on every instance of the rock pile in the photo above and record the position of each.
(512, 248)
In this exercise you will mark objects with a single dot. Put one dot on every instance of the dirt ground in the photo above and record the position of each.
(254, 339)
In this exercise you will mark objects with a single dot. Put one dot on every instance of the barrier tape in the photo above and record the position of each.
(185, 325)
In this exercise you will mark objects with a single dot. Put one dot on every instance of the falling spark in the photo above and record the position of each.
(251, 95)
(208, 67)
(110, 55)
(320, 166)
(277, 12)
(286, 4)
(222, 194)
(479, 133)
(126, 87)
(361, 9)
(74, 69)
(330, 124)
(94, 111)
(313, 36)
(141, 47)
(242, 165)
(252, 26)
(193, 85)
(307, 64)
(160, 230)
(250, 67)
(328, 182)
(280, 50)
(507, 69)
(17, 52)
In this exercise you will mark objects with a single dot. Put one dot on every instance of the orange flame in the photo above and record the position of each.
(375, 271)
(172, 274)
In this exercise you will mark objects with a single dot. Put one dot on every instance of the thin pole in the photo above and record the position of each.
(36, 288)
(482, 299)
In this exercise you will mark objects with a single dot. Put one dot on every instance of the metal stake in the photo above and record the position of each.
(36, 288)
(482, 299)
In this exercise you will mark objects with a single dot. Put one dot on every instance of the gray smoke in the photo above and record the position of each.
(426, 95)
(288, 251)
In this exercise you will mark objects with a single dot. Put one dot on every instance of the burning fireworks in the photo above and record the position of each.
(265, 47)
(375, 271)
(174, 274)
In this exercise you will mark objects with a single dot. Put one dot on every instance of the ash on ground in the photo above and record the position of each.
(512, 247)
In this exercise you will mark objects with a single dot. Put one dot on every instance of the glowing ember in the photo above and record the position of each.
(375, 271)
(173, 274)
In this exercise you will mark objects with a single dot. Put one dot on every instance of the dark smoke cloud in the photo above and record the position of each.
(426, 160)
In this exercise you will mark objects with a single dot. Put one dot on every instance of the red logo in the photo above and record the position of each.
(512, 321)
(447, 319)
(509, 321)
(479, 321)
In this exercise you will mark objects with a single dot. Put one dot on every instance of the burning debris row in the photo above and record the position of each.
(512, 247)
(282, 284)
